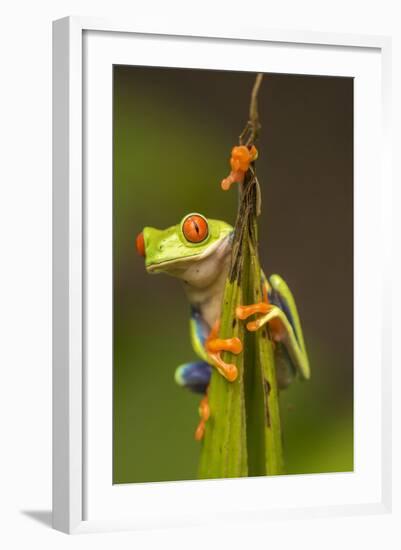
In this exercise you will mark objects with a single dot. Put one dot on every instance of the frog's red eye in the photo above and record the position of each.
(195, 228)
(140, 245)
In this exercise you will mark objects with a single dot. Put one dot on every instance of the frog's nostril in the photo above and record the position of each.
(140, 245)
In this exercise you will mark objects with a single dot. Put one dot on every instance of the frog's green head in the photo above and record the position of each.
(191, 250)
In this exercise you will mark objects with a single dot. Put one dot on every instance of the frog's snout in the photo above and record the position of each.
(140, 244)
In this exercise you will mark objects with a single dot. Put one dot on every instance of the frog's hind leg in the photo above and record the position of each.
(194, 376)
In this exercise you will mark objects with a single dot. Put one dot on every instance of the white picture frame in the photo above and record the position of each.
(83, 50)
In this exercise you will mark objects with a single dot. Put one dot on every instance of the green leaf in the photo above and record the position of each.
(224, 451)
(243, 433)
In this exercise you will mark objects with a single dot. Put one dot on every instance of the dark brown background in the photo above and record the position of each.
(173, 132)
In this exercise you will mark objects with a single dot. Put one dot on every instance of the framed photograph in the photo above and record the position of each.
(250, 171)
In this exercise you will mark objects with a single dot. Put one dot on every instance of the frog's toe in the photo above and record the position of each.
(235, 176)
(228, 370)
(214, 345)
(243, 312)
(204, 413)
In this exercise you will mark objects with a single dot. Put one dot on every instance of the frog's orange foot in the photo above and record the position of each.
(204, 409)
(204, 413)
(243, 312)
(241, 158)
(234, 177)
(228, 370)
(200, 430)
(214, 346)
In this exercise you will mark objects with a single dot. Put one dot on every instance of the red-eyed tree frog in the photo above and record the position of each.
(198, 251)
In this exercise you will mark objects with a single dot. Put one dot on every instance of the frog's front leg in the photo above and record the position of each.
(215, 345)
(196, 376)
(208, 346)
(279, 311)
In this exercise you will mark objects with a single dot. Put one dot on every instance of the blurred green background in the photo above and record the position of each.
(173, 132)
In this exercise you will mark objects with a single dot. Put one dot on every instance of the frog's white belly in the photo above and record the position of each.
(209, 299)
